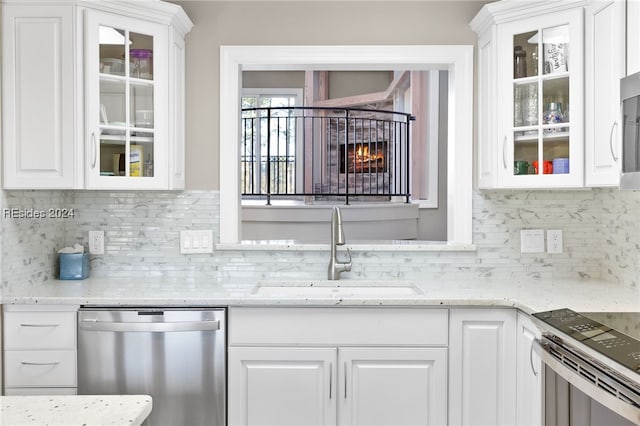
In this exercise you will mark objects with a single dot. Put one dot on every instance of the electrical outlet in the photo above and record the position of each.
(532, 241)
(96, 242)
(554, 241)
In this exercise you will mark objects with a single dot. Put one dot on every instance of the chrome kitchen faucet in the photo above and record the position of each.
(337, 239)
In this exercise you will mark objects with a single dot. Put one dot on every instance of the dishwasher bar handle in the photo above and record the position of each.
(152, 327)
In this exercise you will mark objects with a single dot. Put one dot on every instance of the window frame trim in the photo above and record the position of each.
(457, 59)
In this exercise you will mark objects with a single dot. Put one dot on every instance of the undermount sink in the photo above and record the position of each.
(336, 289)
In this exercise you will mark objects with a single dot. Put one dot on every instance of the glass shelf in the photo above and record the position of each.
(119, 139)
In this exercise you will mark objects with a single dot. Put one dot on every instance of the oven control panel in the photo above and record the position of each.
(613, 344)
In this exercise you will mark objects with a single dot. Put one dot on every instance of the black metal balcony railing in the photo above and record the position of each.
(327, 153)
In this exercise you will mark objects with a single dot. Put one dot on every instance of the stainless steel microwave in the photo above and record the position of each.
(630, 98)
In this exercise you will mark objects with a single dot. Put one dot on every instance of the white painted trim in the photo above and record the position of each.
(458, 60)
(433, 129)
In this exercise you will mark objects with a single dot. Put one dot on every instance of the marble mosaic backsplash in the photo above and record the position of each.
(601, 232)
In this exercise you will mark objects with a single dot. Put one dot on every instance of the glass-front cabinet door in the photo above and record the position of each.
(126, 103)
(541, 101)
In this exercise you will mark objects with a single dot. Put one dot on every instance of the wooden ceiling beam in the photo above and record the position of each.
(402, 80)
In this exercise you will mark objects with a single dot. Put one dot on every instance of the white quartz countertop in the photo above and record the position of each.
(526, 295)
(71, 410)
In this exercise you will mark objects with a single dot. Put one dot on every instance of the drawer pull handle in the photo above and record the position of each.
(40, 325)
(39, 363)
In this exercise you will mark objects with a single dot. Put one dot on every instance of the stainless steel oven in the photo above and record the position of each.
(592, 371)
(630, 98)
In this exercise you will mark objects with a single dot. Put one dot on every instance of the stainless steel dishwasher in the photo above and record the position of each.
(176, 355)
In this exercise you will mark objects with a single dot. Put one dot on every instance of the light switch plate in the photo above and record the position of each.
(196, 241)
(532, 241)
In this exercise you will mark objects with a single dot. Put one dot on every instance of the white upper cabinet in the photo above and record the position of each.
(605, 66)
(39, 107)
(531, 94)
(101, 105)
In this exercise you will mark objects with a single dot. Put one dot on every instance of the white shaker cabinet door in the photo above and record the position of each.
(482, 370)
(392, 386)
(605, 64)
(38, 97)
(282, 386)
(529, 374)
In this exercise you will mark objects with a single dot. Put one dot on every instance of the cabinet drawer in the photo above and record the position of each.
(39, 330)
(338, 326)
(40, 368)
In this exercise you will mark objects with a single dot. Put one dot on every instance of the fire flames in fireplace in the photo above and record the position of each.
(364, 158)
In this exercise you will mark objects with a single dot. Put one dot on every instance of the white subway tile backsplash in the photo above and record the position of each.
(601, 230)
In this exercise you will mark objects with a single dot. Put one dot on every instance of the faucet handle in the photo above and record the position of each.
(347, 266)
(348, 254)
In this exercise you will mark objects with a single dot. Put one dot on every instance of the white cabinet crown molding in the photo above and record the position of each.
(151, 10)
(511, 10)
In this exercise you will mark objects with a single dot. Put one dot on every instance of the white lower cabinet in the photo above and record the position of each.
(39, 349)
(392, 386)
(528, 374)
(482, 376)
(282, 386)
(343, 374)
(346, 386)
